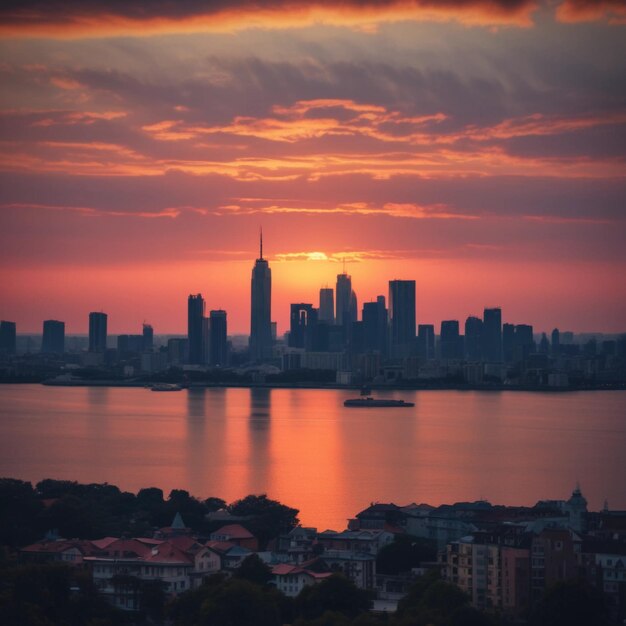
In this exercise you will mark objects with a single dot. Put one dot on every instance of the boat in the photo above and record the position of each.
(370, 402)
(165, 387)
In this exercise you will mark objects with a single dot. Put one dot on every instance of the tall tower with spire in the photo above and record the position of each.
(261, 308)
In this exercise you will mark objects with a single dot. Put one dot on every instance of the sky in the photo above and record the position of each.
(475, 146)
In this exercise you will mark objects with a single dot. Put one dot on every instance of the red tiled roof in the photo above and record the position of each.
(234, 531)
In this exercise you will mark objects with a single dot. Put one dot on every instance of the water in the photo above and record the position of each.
(304, 448)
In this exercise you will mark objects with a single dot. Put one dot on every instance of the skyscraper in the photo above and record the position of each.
(450, 340)
(261, 309)
(195, 329)
(327, 306)
(303, 321)
(219, 339)
(53, 341)
(8, 338)
(492, 335)
(374, 317)
(148, 338)
(426, 341)
(97, 332)
(402, 317)
(343, 299)
(473, 338)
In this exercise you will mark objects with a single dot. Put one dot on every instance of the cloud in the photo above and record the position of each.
(612, 11)
(81, 18)
(91, 211)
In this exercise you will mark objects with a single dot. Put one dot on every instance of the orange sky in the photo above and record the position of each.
(475, 146)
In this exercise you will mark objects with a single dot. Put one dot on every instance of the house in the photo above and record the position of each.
(292, 579)
(238, 535)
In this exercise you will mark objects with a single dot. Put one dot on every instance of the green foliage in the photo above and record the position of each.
(233, 602)
(571, 603)
(51, 595)
(434, 602)
(19, 512)
(269, 517)
(404, 553)
(254, 570)
(336, 594)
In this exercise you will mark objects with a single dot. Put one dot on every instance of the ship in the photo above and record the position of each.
(370, 402)
(165, 387)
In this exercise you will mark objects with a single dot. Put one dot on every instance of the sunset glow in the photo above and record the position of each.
(476, 146)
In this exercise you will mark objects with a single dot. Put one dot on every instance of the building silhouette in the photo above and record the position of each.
(218, 344)
(508, 342)
(148, 338)
(426, 341)
(374, 316)
(473, 338)
(327, 306)
(402, 317)
(53, 339)
(97, 332)
(492, 335)
(343, 300)
(450, 340)
(261, 309)
(303, 320)
(196, 329)
(8, 337)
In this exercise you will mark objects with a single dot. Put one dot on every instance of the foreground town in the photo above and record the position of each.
(505, 559)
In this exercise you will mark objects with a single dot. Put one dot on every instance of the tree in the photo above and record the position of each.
(571, 603)
(336, 594)
(19, 511)
(404, 553)
(269, 517)
(233, 602)
(254, 570)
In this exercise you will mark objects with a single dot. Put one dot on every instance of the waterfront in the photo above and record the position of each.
(305, 448)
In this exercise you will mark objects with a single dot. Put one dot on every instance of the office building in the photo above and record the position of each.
(8, 337)
(450, 341)
(473, 338)
(196, 329)
(343, 300)
(97, 332)
(374, 316)
(218, 344)
(261, 309)
(426, 341)
(303, 318)
(524, 342)
(492, 335)
(327, 306)
(508, 342)
(148, 338)
(402, 317)
(53, 340)
(129, 345)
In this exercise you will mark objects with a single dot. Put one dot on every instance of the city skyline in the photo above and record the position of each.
(476, 148)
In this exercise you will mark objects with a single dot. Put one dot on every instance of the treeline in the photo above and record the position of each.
(91, 511)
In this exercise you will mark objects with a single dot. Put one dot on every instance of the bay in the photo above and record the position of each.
(304, 448)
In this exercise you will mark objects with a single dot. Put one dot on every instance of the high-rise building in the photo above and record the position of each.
(53, 340)
(97, 332)
(148, 338)
(473, 338)
(426, 341)
(327, 305)
(524, 341)
(374, 317)
(556, 341)
(343, 300)
(303, 319)
(219, 339)
(261, 309)
(492, 335)
(8, 337)
(402, 317)
(450, 340)
(508, 342)
(195, 329)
